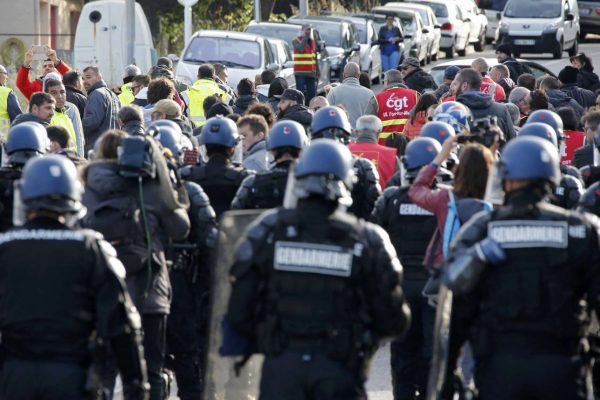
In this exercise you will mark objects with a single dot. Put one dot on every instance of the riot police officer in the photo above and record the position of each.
(61, 284)
(266, 189)
(190, 279)
(25, 141)
(218, 177)
(525, 278)
(332, 123)
(315, 288)
(570, 188)
(410, 228)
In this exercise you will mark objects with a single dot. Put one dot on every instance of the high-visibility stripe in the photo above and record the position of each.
(394, 122)
(300, 55)
(304, 62)
(385, 135)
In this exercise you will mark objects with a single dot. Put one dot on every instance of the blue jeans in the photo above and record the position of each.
(307, 85)
(390, 61)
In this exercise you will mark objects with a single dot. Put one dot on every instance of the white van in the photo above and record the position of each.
(540, 26)
(245, 55)
(100, 40)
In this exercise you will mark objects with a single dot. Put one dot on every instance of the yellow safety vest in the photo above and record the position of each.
(126, 96)
(62, 119)
(4, 117)
(199, 91)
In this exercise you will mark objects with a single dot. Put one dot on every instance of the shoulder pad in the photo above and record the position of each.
(186, 171)
(196, 194)
(249, 181)
(571, 182)
(263, 224)
(113, 263)
(390, 192)
(571, 171)
(92, 233)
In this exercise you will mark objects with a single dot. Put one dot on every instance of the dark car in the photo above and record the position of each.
(589, 17)
(288, 32)
(341, 38)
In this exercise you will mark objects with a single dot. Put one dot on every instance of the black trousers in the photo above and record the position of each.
(411, 354)
(295, 376)
(39, 380)
(530, 377)
(187, 330)
(154, 327)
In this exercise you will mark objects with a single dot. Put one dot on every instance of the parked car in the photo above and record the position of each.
(455, 26)
(491, 8)
(477, 22)
(430, 23)
(245, 55)
(288, 32)
(370, 55)
(412, 25)
(542, 26)
(378, 22)
(438, 71)
(589, 17)
(341, 39)
(283, 59)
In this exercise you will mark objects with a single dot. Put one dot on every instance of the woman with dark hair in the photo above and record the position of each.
(276, 88)
(586, 78)
(574, 137)
(364, 80)
(418, 115)
(470, 180)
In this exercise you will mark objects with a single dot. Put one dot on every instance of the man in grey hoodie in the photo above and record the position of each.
(354, 97)
(101, 110)
(551, 86)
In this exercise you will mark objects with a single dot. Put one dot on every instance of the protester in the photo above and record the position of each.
(74, 87)
(415, 77)
(568, 79)
(170, 110)
(139, 88)
(254, 129)
(518, 96)
(263, 110)
(246, 96)
(126, 95)
(558, 98)
(158, 89)
(41, 110)
(449, 75)
(262, 90)
(527, 81)
(317, 103)
(194, 95)
(291, 106)
(166, 64)
(418, 115)
(60, 143)
(51, 64)
(66, 115)
(504, 57)
(306, 68)
(351, 94)
(586, 77)
(9, 105)
(501, 75)
(364, 79)
(389, 37)
(131, 120)
(574, 137)
(488, 85)
(276, 89)
(587, 155)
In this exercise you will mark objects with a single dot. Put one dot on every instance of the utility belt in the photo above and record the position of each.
(183, 257)
(487, 343)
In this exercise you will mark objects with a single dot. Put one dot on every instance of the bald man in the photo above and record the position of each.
(488, 86)
(351, 94)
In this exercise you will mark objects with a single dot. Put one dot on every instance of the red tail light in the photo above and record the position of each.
(447, 26)
(597, 11)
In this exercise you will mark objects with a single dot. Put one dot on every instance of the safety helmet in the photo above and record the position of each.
(286, 133)
(219, 130)
(131, 70)
(549, 118)
(437, 130)
(454, 113)
(324, 168)
(26, 140)
(590, 200)
(51, 183)
(330, 122)
(419, 152)
(136, 157)
(530, 157)
(170, 139)
(162, 122)
(540, 130)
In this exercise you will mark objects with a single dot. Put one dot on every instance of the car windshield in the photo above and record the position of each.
(408, 24)
(362, 32)
(234, 53)
(533, 9)
(440, 10)
(286, 34)
(330, 32)
(498, 5)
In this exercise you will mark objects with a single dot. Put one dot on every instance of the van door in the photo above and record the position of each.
(569, 26)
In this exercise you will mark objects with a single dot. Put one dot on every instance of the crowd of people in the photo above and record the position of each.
(486, 185)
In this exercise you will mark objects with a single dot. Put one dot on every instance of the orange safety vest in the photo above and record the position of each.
(394, 105)
(384, 158)
(305, 62)
(573, 141)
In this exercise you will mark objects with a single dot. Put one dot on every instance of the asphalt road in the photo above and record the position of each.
(379, 384)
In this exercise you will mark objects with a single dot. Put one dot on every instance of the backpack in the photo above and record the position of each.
(459, 212)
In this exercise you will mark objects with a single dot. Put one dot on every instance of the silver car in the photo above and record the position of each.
(370, 56)
(589, 17)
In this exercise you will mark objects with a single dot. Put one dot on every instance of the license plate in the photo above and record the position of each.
(524, 42)
(585, 11)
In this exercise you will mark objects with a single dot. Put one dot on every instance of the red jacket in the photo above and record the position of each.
(28, 87)
(434, 201)
(384, 158)
(573, 141)
(413, 129)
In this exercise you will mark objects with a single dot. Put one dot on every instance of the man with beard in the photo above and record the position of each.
(41, 110)
(291, 106)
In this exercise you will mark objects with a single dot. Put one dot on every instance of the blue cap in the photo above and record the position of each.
(451, 71)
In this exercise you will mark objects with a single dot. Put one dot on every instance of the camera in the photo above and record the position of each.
(483, 130)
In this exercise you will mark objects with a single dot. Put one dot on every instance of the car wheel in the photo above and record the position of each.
(434, 57)
(463, 52)
(574, 49)
(582, 36)
(481, 41)
(428, 56)
(450, 52)
(557, 54)
(516, 54)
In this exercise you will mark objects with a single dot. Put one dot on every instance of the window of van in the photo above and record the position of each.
(440, 10)
(234, 53)
(533, 9)
(286, 34)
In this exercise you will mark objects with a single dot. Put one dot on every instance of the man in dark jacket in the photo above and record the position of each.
(74, 87)
(568, 78)
(131, 120)
(504, 56)
(291, 106)
(482, 105)
(41, 110)
(584, 155)
(113, 202)
(558, 98)
(246, 96)
(101, 109)
(414, 77)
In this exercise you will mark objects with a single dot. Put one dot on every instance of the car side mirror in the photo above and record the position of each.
(356, 47)
(425, 30)
(321, 45)
(407, 36)
(174, 58)
(437, 26)
(273, 67)
(288, 64)
(569, 17)
(467, 20)
(498, 16)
